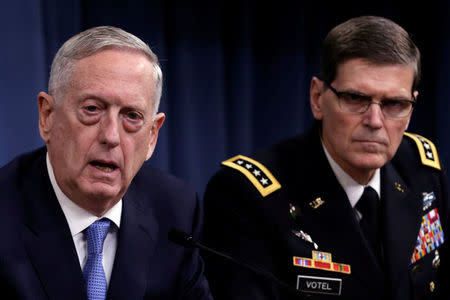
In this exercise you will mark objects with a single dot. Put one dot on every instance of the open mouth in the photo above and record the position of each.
(105, 167)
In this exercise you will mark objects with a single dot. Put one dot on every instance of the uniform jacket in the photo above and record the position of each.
(38, 259)
(309, 208)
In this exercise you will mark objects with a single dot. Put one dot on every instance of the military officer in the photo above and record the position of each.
(354, 208)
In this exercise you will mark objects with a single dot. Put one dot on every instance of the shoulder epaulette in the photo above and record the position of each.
(427, 150)
(259, 176)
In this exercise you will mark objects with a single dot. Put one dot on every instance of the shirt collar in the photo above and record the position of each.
(77, 217)
(353, 189)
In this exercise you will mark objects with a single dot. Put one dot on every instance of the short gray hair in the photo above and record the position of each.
(91, 41)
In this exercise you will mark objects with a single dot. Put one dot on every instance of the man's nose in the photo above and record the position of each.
(110, 130)
(374, 117)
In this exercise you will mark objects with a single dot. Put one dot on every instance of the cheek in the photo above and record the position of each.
(135, 151)
(73, 140)
(395, 136)
(341, 127)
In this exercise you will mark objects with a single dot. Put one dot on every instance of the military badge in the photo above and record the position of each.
(256, 172)
(304, 236)
(321, 260)
(428, 199)
(399, 187)
(320, 285)
(294, 211)
(430, 236)
(316, 203)
(436, 260)
(427, 150)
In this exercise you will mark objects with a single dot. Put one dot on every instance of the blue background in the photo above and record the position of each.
(237, 73)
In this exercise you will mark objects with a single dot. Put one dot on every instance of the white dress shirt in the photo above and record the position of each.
(79, 219)
(353, 189)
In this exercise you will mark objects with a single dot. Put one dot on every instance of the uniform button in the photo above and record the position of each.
(432, 286)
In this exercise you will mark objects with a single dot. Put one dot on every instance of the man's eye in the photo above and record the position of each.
(394, 103)
(133, 120)
(91, 108)
(352, 97)
(133, 115)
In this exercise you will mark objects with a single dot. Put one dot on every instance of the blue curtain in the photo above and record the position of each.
(237, 73)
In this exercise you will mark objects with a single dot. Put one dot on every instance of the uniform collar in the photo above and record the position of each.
(353, 189)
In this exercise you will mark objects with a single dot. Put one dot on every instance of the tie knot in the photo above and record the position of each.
(95, 235)
(368, 203)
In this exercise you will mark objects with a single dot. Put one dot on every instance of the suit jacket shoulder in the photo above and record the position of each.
(147, 266)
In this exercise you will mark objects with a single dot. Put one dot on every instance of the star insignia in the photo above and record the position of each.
(255, 172)
(427, 150)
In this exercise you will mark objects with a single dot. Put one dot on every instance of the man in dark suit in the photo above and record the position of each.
(355, 208)
(83, 218)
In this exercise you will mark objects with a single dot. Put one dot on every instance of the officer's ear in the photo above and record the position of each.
(316, 97)
(158, 121)
(415, 95)
(46, 107)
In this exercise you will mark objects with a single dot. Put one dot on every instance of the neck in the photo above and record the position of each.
(360, 176)
(97, 207)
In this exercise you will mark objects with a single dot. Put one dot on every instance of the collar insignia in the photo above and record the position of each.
(316, 203)
(399, 187)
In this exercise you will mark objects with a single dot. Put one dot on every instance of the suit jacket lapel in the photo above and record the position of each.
(403, 212)
(137, 239)
(48, 240)
(340, 233)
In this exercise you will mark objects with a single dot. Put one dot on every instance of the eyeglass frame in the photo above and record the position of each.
(380, 103)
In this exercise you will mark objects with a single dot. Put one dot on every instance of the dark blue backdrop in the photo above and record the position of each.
(236, 72)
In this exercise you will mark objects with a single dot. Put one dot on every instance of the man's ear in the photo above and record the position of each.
(415, 95)
(46, 106)
(158, 121)
(316, 97)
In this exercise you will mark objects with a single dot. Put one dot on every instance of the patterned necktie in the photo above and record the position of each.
(93, 273)
(368, 205)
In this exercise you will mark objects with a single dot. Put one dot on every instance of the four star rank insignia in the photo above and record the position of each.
(258, 174)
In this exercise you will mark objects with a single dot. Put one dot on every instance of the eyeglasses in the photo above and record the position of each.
(358, 104)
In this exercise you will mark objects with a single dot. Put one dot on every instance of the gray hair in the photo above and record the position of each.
(91, 41)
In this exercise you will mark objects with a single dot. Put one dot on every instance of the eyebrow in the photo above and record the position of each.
(397, 98)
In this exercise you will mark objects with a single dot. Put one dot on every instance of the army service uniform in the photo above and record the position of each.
(283, 211)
